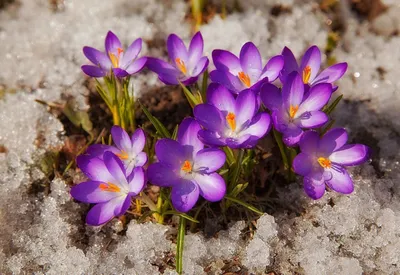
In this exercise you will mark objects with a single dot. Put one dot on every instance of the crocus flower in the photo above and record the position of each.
(293, 110)
(128, 149)
(188, 167)
(231, 122)
(322, 161)
(245, 71)
(109, 187)
(121, 62)
(309, 67)
(186, 64)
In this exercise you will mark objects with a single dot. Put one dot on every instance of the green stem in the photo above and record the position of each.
(278, 139)
(179, 245)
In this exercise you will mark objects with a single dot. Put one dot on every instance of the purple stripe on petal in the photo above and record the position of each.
(138, 141)
(93, 71)
(226, 61)
(309, 142)
(350, 154)
(259, 126)
(292, 91)
(302, 164)
(314, 189)
(116, 169)
(292, 135)
(136, 181)
(112, 43)
(331, 74)
(137, 65)
(161, 174)
(227, 79)
(318, 97)
(195, 49)
(90, 192)
(121, 138)
(176, 48)
(120, 73)
(312, 119)
(104, 212)
(250, 59)
(273, 68)
(131, 53)
(170, 152)
(280, 119)
(245, 107)
(333, 140)
(209, 117)
(311, 58)
(271, 96)
(341, 181)
(97, 57)
(212, 186)
(221, 97)
(184, 195)
(211, 138)
(208, 160)
(187, 134)
(94, 168)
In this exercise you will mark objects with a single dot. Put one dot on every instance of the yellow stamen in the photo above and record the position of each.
(109, 187)
(293, 110)
(181, 65)
(324, 162)
(115, 58)
(244, 78)
(306, 74)
(230, 118)
(187, 167)
(123, 155)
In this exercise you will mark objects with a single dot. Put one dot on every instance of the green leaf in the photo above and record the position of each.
(175, 133)
(193, 101)
(278, 139)
(156, 123)
(229, 155)
(235, 171)
(223, 172)
(179, 244)
(328, 110)
(183, 215)
(242, 203)
(328, 127)
(238, 189)
(204, 86)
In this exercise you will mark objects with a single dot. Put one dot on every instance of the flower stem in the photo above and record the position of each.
(179, 245)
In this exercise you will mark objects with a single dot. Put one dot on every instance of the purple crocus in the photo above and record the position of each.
(109, 187)
(322, 161)
(121, 62)
(245, 71)
(231, 122)
(188, 167)
(186, 64)
(128, 149)
(293, 110)
(309, 67)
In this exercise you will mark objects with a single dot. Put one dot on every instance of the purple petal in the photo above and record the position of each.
(280, 119)
(188, 80)
(131, 53)
(136, 181)
(292, 135)
(184, 195)
(176, 48)
(121, 138)
(228, 80)
(271, 96)
(309, 142)
(208, 160)
(220, 97)
(226, 61)
(166, 72)
(245, 107)
(290, 64)
(137, 65)
(292, 91)
(333, 140)
(187, 134)
(331, 74)
(311, 58)
(318, 97)
(200, 66)
(314, 189)
(104, 212)
(212, 186)
(195, 49)
(97, 150)
(170, 152)
(239, 142)
(94, 168)
(161, 174)
(112, 43)
(138, 141)
(90, 192)
(93, 71)
(350, 154)
(250, 59)
(209, 117)
(302, 164)
(340, 181)
(259, 126)
(120, 73)
(116, 169)
(141, 159)
(312, 119)
(211, 138)
(97, 57)
(273, 68)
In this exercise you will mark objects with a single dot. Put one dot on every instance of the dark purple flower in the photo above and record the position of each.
(231, 122)
(188, 167)
(109, 187)
(245, 71)
(323, 160)
(186, 65)
(128, 149)
(121, 62)
(293, 110)
(310, 66)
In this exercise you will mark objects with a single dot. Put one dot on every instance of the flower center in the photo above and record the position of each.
(324, 162)
(186, 167)
(244, 78)
(123, 155)
(115, 58)
(109, 187)
(306, 74)
(293, 110)
(230, 118)
(181, 65)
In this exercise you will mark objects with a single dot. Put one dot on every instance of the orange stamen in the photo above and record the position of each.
(187, 167)
(115, 58)
(306, 74)
(110, 187)
(244, 78)
(324, 162)
(123, 155)
(181, 65)
(293, 110)
(230, 118)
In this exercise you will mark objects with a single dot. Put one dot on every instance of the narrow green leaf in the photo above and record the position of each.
(156, 123)
(175, 133)
(238, 189)
(223, 172)
(328, 127)
(204, 86)
(242, 203)
(183, 215)
(278, 139)
(328, 110)
(235, 171)
(179, 244)
(193, 101)
(229, 155)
